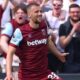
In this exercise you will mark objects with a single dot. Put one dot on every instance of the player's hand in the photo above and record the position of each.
(62, 57)
(53, 37)
(9, 78)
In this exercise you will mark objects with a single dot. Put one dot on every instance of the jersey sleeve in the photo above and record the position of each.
(1, 9)
(16, 38)
(8, 30)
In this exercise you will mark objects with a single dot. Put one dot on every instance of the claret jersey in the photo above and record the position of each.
(1, 12)
(9, 29)
(32, 44)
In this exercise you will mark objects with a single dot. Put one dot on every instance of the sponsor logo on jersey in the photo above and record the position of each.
(37, 42)
(43, 32)
(53, 76)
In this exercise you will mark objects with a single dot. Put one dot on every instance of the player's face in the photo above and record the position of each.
(20, 16)
(74, 14)
(36, 14)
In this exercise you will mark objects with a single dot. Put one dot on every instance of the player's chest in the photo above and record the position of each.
(36, 37)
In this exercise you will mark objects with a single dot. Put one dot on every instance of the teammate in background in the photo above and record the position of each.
(2, 8)
(32, 42)
(6, 34)
(20, 18)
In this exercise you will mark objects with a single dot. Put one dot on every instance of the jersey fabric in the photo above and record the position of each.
(33, 51)
(10, 28)
(1, 12)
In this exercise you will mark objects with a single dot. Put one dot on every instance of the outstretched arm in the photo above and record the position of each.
(9, 59)
(16, 39)
(4, 4)
(55, 51)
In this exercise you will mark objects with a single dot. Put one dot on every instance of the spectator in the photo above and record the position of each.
(54, 18)
(70, 39)
(67, 3)
(46, 5)
(32, 41)
(28, 1)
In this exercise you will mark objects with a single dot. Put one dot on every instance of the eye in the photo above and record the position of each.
(59, 5)
(38, 11)
(75, 12)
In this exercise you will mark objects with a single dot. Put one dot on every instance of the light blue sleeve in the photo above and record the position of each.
(8, 30)
(17, 37)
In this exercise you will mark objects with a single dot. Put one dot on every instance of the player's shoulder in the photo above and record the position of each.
(24, 27)
(43, 24)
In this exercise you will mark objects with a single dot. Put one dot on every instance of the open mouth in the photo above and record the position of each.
(57, 8)
(20, 18)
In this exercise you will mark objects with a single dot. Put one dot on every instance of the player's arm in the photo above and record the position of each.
(5, 3)
(9, 59)
(4, 47)
(16, 39)
(55, 51)
(5, 36)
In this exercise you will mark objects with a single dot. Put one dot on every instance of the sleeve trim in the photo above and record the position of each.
(13, 45)
(5, 35)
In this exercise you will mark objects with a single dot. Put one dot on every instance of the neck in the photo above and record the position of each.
(33, 25)
(72, 22)
(56, 14)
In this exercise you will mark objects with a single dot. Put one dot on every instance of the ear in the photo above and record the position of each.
(29, 15)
